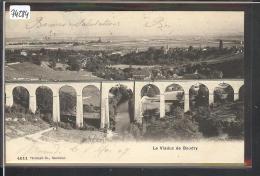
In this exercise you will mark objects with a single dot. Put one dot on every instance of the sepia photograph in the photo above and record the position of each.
(125, 87)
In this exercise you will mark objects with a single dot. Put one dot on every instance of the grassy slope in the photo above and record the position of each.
(31, 71)
(15, 129)
(19, 128)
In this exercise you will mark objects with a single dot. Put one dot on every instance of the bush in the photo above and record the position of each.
(112, 124)
(36, 61)
(120, 95)
(136, 130)
(88, 127)
(206, 125)
(7, 109)
(19, 112)
(91, 108)
(235, 128)
(64, 125)
(67, 101)
(176, 112)
(21, 97)
(227, 118)
(171, 127)
(151, 113)
(74, 64)
(16, 108)
(131, 107)
(47, 118)
(44, 102)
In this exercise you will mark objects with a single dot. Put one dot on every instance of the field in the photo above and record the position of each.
(124, 43)
(123, 66)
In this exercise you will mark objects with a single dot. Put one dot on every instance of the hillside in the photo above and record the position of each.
(27, 71)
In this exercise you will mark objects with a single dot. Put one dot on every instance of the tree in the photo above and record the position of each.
(74, 64)
(67, 101)
(52, 62)
(220, 44)
(44, 102)
(21, 97)
(190, 48)
(120, 95)
(36, 61)
(202, 98)
(43, 51)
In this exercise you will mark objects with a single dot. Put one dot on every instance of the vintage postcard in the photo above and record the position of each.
(132, 88)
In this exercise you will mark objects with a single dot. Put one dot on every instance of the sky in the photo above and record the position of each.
(54, 24)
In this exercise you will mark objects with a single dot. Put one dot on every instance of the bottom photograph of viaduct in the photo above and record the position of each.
(128, 110)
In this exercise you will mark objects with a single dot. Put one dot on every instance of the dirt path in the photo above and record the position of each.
(35, 136)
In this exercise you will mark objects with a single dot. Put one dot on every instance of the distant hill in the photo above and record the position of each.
(27, 71)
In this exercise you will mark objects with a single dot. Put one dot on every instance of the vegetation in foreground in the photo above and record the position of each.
(224, 121)
(20, 122)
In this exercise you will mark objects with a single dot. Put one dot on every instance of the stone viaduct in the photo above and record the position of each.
(105, 86)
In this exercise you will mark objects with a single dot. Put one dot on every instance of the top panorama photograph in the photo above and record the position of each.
(124, 45)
